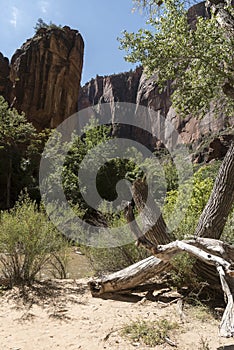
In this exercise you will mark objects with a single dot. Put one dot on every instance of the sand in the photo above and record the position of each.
(62, 314)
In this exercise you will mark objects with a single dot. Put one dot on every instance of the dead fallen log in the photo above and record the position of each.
(166, 252)
(128, 278)
(212, 252)
(224, 268)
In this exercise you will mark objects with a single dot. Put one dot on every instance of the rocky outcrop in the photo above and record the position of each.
(121, 87)
(45, 75)
(5, 84)
(135, 87)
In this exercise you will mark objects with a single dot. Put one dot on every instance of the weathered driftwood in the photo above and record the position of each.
(130, 277)
(227, 322)
(205, 250)
(224, 268)
(166, 252)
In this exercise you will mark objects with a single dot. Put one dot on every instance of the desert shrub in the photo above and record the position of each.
(182, 273)
(148, 333)
(105, 260)
(111, 259)
(28, 243)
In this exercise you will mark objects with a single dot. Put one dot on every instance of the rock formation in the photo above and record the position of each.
(135, 87)
(5, 83)
(45, 75)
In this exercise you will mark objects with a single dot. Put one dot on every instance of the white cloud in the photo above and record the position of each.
(14, 16)
(44, 6)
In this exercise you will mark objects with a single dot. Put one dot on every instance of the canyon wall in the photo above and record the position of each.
(135, 87)
(43, 77)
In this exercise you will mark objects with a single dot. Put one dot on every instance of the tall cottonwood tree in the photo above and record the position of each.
(198, 59)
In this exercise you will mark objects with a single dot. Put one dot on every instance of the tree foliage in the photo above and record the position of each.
(29, 243)
(17, 147)
(93, 143)
(199, 61)
(42, 24)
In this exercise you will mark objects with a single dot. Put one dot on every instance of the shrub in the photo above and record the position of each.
(105, 260)
(114, 258)
(28, 243)
(201, 185)
(149, 333)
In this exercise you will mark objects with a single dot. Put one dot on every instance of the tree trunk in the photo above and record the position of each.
(215, 213)
(154, 227)
(214, 216)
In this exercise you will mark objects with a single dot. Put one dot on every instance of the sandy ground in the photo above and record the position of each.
(64, 315)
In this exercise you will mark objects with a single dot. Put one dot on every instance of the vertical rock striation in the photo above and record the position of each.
(45, 76)
(135, 87)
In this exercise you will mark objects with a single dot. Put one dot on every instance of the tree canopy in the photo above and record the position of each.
(196, 59)
(19, 151)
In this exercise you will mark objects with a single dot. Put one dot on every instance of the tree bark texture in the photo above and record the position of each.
(215, 213)
(129, 277)
(154, 227)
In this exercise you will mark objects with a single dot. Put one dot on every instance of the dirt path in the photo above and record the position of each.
(67, 317)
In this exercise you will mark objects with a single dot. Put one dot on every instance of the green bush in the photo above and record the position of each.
(104, 260)
(201, 184)
(29, 243)
(111, 259)
(148, 333)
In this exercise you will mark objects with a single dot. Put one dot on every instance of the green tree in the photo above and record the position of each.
(198, 61)
(108, 174)
(16, 135)
(42, 24)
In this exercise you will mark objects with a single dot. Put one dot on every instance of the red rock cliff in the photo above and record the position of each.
(5, 84)
(134, 87)
(45, 74)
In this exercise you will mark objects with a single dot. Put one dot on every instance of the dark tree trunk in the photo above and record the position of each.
(154, 227)
(214, 216)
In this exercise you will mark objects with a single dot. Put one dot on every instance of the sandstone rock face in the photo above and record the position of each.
(134, 87)
(45, 74)
(5, 83)
(121, 87)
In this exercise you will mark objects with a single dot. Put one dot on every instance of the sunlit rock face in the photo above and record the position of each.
(45, 74)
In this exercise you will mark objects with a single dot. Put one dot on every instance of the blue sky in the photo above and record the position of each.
(99, 21)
